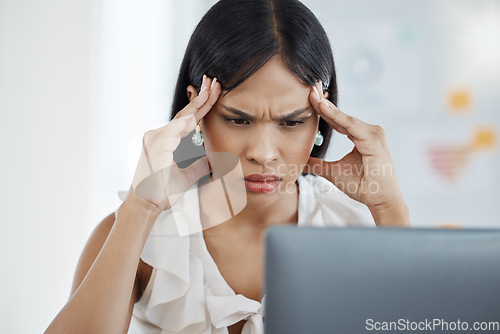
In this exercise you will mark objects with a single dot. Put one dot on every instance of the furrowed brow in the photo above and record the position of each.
(291, 115)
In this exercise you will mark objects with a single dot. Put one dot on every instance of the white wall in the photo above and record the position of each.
(44, 147)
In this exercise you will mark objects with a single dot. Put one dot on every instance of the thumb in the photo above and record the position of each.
(197, 170)
(322, 168)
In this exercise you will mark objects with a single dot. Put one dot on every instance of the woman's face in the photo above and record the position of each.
(269, 123)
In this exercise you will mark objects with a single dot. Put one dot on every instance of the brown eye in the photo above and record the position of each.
(292, 124)
(238, 121)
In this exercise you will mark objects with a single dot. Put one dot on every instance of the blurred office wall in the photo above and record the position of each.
(81, 81)
(429, 73)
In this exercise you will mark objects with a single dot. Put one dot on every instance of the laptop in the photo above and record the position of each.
(381, 280)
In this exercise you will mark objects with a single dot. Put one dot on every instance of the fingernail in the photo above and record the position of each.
(203, 83)
(213, 84)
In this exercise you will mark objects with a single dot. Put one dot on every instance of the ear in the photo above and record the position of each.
(191, 92)
(325, 94)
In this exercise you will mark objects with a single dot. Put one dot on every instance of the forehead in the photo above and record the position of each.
(272, 89)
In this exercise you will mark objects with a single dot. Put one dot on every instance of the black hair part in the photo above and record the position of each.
(235, 38)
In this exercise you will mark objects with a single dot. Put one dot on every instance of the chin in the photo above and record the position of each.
(260, 200)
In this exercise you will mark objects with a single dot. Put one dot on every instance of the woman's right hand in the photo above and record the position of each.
(157, 178)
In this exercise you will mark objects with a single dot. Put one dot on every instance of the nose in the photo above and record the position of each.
(263, 146)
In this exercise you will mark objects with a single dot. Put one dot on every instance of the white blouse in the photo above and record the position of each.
(187, 293)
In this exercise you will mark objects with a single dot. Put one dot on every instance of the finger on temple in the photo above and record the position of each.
(342, 122)
(183, 125)
(160, 143)
(186, 120)
(214, 95)
(335, 126)
(316, 105)
(199, 104)
(354, 127)
(193, 106)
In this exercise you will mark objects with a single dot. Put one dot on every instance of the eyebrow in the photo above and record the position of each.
(293, 114)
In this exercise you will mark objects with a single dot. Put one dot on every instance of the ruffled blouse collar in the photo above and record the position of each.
(188, 292)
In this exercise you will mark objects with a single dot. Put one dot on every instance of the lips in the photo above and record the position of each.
(261, 183)
(262, 178)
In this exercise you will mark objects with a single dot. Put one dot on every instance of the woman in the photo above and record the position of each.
(257, 83)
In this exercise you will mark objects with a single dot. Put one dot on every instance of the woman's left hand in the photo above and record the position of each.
(366, 174)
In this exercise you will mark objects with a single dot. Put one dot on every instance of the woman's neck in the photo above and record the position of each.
(253, 218)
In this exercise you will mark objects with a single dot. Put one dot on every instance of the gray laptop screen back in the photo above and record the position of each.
(354, 280)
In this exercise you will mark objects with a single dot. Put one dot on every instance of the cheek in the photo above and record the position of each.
(301, 143)
(296, 154)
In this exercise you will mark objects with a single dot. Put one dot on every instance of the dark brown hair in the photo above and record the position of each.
(235, 38)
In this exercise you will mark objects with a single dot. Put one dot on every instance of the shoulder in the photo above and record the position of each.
(321, 202)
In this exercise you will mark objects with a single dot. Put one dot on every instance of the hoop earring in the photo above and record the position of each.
(319, 139)
(197, 138)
